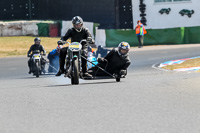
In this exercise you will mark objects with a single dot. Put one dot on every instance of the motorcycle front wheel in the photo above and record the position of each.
(75, 72)
(37, 70)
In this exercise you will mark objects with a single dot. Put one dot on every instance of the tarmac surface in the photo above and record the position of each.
(147, 100)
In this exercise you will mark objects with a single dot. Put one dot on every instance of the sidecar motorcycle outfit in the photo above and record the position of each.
(36, 46)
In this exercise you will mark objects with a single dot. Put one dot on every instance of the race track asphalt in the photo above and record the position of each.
(147, 100)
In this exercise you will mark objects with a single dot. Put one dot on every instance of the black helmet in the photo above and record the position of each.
(37, 39)
(76, 21)
(100, 47)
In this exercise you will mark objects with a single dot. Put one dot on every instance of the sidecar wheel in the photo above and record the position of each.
(118, 79)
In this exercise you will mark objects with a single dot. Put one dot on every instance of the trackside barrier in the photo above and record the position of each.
(182, 35)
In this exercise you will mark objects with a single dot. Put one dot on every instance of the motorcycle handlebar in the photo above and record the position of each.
(61, 42)
(83, 41)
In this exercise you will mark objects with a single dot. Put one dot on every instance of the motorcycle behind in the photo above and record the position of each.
(37, 61)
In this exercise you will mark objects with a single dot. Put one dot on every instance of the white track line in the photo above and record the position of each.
(154, 66)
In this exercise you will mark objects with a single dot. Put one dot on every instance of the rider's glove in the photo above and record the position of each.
(60, 42)
(28, 55)
(122, 72)
(101, 59)
(90, 40)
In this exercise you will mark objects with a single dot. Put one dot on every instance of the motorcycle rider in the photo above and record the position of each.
(76, 33)
(115, 62)
(36, 46)
(53, 57)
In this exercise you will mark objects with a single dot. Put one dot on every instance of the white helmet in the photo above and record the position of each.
(123, 49)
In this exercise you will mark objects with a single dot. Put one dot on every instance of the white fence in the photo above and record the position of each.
(19, 28)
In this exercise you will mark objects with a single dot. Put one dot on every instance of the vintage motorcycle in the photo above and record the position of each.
(37, 63)
(74, 63)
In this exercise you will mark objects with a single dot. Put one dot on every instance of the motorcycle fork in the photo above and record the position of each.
(70, 69)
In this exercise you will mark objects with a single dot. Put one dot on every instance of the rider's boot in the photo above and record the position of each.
(29, 66)
(87, 75)
(123, 73)
(43, 69)
(59, 72)
(29, 72)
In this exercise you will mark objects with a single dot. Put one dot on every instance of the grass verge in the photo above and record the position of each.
(19, 45)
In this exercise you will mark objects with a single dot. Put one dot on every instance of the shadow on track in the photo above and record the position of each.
(108, 82)
(32, 77)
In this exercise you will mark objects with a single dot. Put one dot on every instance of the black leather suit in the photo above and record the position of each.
(75, 37)
(112, 63)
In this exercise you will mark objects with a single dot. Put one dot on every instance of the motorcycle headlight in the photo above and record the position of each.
(36, 56)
